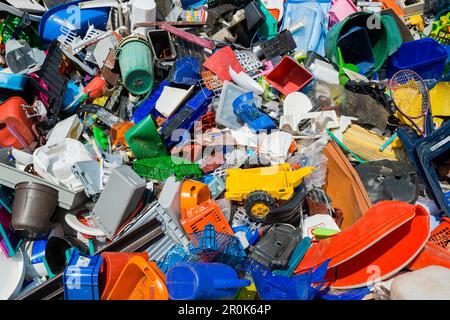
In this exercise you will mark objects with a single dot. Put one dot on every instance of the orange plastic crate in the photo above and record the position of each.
(441, 234)
(196, 218)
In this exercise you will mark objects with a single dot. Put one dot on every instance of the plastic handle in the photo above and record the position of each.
(230, 284)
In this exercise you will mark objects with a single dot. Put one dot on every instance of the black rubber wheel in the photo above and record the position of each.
(258, 204)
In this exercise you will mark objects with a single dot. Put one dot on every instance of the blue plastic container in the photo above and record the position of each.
(424, 56)
(80, 278)
(203, 281)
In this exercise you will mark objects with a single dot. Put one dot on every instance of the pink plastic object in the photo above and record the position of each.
(288, 76)
(220, 62)
(341, 9)
(189, 37)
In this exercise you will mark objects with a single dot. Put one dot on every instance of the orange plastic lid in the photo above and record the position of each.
(386, 257)
(379, 221)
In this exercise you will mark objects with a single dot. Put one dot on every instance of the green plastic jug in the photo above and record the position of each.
(384, 35)
(136, 64)
(144, 140)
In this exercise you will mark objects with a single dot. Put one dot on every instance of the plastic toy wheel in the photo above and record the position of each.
(258, 205)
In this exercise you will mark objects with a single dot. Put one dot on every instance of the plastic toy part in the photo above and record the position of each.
(193, 193)
(203, 281)
(251, 185)
(273, 249)
(162, 167)
(196, 218)
(15, 127)
(288, 76)
(139, 280)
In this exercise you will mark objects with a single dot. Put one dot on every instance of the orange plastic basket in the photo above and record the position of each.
(196, 218)
(441, 235)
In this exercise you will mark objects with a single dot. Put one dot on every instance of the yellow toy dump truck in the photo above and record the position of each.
(260, 187)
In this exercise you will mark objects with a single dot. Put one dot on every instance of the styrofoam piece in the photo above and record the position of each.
(12, 274)
(67, 128)
(171, 98)
(318, 221)
(225, 115)
(276, 146)
(73, 222)
(54, 162)
(243, 80)
(296, 103)
(142, 11)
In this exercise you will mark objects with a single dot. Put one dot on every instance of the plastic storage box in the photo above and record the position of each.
(80, 278)
(425, 56)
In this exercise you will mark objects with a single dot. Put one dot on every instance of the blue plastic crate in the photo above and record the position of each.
(80, 278)
(425, 56)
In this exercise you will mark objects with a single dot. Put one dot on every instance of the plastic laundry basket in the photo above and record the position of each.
(425, 56)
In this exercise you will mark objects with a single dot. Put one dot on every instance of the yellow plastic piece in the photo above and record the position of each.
(260, 209)
(417, 20)
(279, 181)
(366, 144)
(440, 103)
(101, 101)
(247, 293)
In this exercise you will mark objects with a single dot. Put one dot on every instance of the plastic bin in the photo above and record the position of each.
(80, 277)
(288, 76)
(139, 280)
(424, 56)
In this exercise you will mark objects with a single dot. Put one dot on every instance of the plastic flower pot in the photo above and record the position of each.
(33, 208)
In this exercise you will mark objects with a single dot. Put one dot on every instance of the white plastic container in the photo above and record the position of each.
(12, 274)
(143, 11)
(54, 162)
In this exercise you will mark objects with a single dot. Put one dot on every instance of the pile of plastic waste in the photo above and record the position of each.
(224, 149)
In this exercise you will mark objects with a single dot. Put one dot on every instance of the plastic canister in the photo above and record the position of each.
(136, 64)
(33, 207)
(197, 281)
(142, 11)
(15, 127)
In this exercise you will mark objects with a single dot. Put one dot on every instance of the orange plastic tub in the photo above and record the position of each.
(140, 280)
(15, 127)
(112, 266)
(193, 193)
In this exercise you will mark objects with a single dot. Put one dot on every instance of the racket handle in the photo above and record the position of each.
(388, 142)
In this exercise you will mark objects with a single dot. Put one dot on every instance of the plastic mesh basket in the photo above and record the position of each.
(441, 234)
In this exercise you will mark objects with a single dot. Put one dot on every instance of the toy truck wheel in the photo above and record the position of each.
(258, 205)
